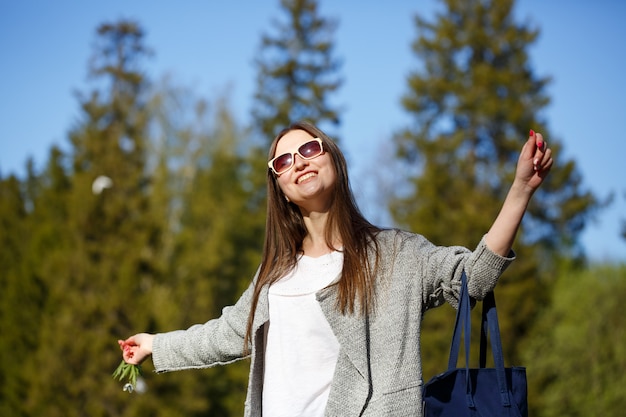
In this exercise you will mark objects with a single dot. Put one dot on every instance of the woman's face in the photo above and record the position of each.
(309, 182)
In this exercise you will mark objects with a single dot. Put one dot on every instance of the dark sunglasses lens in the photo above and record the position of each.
(310, 149)
(282, 163)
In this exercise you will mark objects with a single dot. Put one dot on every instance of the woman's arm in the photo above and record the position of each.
(215, 342)
(533, 166)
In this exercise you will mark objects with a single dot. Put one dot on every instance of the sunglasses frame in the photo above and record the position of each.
(270, 163)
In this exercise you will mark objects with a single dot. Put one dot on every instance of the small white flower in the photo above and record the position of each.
(128, 387)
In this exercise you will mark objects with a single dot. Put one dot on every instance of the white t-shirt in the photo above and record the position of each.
(301, 350)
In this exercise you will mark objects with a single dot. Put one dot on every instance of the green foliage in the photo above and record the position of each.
(474, 99)
(576, 354)
(101, 243)
(129, 373)
(15, 323)
(171, 241)
(217, 224)
(296, 70)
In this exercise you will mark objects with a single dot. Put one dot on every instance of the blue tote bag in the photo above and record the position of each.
(477, 392)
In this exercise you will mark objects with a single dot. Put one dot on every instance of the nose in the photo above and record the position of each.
(299, 162)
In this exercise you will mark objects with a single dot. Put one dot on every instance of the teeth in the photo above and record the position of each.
(306, 177)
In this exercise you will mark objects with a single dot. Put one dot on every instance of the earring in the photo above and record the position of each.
(287, 198)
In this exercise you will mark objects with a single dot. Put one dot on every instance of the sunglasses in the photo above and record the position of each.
(308, 150)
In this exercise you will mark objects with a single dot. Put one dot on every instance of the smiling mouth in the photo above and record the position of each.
(306, 177)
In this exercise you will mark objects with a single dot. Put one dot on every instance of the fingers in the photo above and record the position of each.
(129, 347)
(542, 155)
(540, 144)
(136, 348)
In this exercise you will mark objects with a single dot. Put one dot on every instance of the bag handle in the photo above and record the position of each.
(462, 318)
(462, 325)
(489, 325)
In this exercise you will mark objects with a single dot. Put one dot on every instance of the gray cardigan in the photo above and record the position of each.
(378, 372)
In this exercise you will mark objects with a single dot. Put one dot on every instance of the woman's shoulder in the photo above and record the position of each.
(395, 235)
(394, 241)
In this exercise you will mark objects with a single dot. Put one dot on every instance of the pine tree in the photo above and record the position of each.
(220, 245)
(297, 72)
(474, 99)
(33, 217)
(216, 247)
(16, 342)
(104, 270)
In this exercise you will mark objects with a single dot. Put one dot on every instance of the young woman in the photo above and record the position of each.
(332, 317)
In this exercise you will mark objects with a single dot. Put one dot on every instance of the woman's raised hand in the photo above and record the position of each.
(534, 162)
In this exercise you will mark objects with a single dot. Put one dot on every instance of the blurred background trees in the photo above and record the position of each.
(297, 71)
(176, 234)
(576, 353)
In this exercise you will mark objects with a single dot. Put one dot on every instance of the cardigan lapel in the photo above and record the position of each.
(254, 398)
(351, 330)
(262, 313)
(352, 387)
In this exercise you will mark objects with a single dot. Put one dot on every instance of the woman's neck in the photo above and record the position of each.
(316, 250)
(314, 243)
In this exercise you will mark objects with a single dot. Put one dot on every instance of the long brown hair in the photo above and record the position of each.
(285, 232)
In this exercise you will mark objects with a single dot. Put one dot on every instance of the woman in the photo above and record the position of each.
(332, 317)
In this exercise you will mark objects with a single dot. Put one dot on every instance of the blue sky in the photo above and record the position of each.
(210, 46)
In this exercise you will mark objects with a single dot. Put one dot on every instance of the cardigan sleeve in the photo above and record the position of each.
(444, 266)
(217, 342)
(483, 268)
(437, 270)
